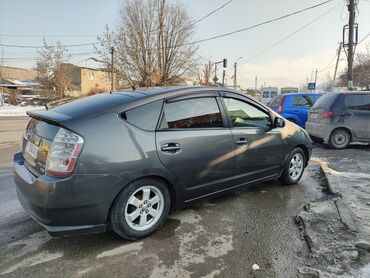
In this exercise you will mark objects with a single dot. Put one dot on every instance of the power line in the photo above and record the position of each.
(364, 38)
(201, 40)
(209, 14)
(291, 34)
(45, 36)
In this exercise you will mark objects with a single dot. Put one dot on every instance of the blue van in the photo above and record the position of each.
(294, 107)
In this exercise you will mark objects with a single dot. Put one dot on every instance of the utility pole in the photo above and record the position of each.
(336, 67)
(255, 83)
(112, 68)
(315, 80)
(223, 78)
(235, 81)
(351, 25)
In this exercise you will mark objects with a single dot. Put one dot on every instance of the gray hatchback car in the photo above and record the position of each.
(340, 118)
(126, 159)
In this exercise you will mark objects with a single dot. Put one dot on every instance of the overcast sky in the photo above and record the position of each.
(287, 62)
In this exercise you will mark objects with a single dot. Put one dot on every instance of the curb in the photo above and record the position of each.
(343, 210)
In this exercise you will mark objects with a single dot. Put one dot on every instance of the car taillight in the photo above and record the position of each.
(63, 153)
(327, 115)
(280, 110)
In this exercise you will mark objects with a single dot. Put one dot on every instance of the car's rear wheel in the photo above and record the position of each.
(339, 139)
(140, 208)
(294, 167)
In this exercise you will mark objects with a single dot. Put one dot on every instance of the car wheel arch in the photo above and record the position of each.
(168, 184)
(349, 130)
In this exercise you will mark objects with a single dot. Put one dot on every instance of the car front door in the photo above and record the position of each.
(194, 143)
(259, 149)
(358, 114)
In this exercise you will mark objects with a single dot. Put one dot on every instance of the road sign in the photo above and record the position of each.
(215, 79)
(311, 86)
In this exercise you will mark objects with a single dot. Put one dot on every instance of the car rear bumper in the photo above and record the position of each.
(73, 205)
(319, 130)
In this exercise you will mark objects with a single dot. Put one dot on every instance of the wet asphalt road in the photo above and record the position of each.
(221, 237)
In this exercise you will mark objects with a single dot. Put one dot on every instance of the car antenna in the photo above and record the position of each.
(46, 106)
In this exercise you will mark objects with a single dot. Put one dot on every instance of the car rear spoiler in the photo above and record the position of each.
(50, 117)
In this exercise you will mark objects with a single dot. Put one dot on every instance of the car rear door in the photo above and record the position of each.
(259, 149)
(357, 116)
(195, 145)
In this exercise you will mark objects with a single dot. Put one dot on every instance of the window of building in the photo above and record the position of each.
(90, 75)
(192, 113)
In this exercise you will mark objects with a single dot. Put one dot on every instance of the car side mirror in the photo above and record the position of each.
(279, 122)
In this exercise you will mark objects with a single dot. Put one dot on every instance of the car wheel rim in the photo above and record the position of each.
(296, 167)
(340, 139)
(144, 208)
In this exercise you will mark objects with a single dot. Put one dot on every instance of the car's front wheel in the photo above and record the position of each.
(140, 208)
(294, 167)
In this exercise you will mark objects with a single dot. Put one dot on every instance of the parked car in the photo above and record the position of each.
(340, 118)
(125, 159)
(268, 93)
(294, 107)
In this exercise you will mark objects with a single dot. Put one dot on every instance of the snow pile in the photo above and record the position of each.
(15, 110)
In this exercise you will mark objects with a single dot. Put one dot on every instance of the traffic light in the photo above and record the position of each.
(224, 62)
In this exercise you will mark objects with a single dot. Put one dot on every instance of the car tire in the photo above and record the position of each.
(316, 139)
(140, 208)
(294, 167)
(339, 139)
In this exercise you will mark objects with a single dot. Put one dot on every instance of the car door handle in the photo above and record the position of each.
(295, 111)
(171, 148)
(241, 141)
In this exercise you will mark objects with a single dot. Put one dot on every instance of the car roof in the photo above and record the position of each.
(302, 94)
(119, 100)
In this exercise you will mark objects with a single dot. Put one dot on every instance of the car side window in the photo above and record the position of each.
(192, 113)
(358, 102)
(303, 101)
(243, 114)
(145, 116)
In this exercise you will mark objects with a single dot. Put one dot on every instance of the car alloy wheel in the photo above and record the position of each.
(144, 208)
(296, 167)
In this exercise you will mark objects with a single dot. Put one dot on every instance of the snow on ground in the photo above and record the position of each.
(14, 110)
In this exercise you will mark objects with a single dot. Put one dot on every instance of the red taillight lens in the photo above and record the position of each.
(63, 153)
(280, 110)
(327, 115)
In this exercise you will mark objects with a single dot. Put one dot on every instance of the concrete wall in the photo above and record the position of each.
(92, 79)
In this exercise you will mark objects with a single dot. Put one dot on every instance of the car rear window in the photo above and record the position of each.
(145, 116)
(275, 102)
(358, 102)
(325, 101)
(273, 94)
(265, 94)
(192, 113)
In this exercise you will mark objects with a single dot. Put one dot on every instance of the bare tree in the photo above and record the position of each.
(53, 73)
(361, 70)
(151, 42)
(204, 74)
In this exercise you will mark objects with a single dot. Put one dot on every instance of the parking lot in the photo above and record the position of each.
(221, 237)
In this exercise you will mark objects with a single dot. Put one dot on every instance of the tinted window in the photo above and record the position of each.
(358, 102)
(145, 116)
(325, 101)
(243, 114)
(302, 101)
(265, 94)
(275, 102)
(273, 94)
(192, 113)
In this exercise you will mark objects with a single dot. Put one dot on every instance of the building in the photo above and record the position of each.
(13, 73)
(86, 80)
